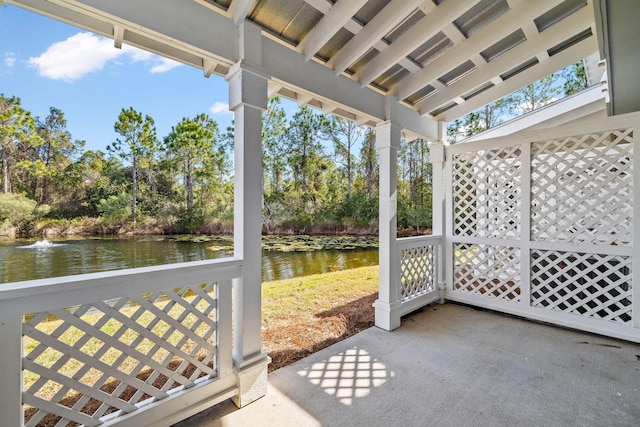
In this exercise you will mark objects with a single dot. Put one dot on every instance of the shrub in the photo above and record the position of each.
(115, 209)
(19, 211)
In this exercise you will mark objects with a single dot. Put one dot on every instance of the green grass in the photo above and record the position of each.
(291, 300)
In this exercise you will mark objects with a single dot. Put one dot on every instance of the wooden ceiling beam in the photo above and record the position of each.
(423, 30)
(388, 18)
(484, 38)
(568, 56)
(526, 50)
(338, 15)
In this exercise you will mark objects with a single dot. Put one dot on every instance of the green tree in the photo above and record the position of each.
(482, 119)
(305, 148)
(274, 125)
(138, 145)
(537, 94)
(54, 154)
(17, 134)
(575, 78)
(115, 209)
(191, 142)
(414, 186)
(345, 135)
(20, 211)
(369, 167)
(308, 164)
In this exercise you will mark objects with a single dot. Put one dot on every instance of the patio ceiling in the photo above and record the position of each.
(438, 59)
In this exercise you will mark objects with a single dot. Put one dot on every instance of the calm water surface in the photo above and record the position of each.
(24, 260)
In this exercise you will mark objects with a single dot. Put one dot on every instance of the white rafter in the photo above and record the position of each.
(526, 50)
(272, 88)
(578, 51)
(239, 9)
(338, 15)
(392, 14)
(303, 98)
(355, 27)
(422, 31)
(484, 38)
(118, 36)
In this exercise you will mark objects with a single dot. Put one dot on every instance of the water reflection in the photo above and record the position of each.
(26, 260)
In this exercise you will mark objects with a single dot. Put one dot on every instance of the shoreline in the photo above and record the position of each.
(91, 227)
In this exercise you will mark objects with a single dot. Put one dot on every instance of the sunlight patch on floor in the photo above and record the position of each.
(348, 375)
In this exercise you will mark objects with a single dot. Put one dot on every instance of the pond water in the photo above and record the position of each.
(29, 259)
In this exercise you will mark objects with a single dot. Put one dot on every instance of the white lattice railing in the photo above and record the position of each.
(419, 257)
(117, 348)
(542, 225)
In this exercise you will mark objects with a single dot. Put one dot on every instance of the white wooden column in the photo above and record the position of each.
(635, 242)
(11, 369)
(437, 152)
(247, 100)
(387, 306)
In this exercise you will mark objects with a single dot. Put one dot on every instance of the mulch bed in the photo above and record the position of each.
(287, 344)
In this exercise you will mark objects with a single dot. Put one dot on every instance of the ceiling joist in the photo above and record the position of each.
(239, 9)
(567, 28)
(337, 16)
(422, 31)
(376, 29)
(500, 28)
(578, 51)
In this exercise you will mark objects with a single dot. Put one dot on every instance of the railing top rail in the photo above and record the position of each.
(37, 295)
(414, 240)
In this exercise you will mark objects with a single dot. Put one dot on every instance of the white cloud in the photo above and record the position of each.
(163, 65)
(136, 54)
(220, 108)
(85, 53)
(9, 59)
(158, 63)
(75, 57)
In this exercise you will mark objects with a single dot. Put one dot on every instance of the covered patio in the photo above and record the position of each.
(537, 220)
(452, 365)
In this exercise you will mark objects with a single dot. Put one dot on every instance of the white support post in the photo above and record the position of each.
(387, 306)
(635, 243)
(437, 151)
(525, 226)
(247, 100)
(11, 368)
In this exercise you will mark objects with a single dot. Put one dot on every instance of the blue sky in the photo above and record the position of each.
(47, 63)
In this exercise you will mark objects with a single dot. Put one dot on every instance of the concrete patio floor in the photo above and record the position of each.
(451, 365)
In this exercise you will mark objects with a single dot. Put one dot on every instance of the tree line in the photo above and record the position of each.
(320, 174)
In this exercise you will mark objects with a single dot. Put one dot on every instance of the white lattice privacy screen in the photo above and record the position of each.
(544, 228)
(582, 189)
(486, 193)
(115, 357)
(417, 270)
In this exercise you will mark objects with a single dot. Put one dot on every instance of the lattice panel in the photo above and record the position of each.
(591, 285)
(113, 357)
(582, 189)
(417, 271)
(492, 271)
(486, 193)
